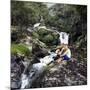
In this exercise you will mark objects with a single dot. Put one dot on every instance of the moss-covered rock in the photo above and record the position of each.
(46, 36)
(35, 35)
(48, 39)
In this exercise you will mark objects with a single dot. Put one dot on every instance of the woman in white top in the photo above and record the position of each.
(64, 53)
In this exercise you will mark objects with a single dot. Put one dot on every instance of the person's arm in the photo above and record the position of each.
(61, 51)
(64, 53)
(57, 51)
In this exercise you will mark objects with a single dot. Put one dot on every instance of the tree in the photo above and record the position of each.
(24, 13)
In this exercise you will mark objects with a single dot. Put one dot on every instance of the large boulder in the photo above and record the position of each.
(17, 68)
(39, 48)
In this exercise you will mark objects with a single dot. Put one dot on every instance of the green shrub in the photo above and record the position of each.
(43, 32)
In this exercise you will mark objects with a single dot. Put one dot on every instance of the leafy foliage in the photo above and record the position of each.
(17, 34)
(24, 13)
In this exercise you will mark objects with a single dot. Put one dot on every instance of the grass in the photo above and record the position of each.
(20, 49)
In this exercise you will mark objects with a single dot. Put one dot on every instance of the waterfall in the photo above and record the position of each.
(64, 38)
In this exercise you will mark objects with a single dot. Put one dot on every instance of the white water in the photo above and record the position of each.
(64, 38)
(36, 70)
(24, 81)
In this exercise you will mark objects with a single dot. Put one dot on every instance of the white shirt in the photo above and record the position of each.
(68, 53)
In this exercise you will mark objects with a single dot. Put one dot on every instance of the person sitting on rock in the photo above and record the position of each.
(63, 53)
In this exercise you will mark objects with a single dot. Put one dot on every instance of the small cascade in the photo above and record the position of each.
(36, 70)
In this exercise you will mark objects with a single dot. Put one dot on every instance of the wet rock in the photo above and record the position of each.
(17, 69)
(63, 76)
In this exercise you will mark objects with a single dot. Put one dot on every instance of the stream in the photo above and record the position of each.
(23, 76)
(36, 70)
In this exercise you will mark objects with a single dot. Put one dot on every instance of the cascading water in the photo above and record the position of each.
(36, 70)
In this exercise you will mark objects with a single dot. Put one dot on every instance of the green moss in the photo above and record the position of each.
(21, 49)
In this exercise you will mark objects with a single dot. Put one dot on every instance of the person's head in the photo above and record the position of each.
(62, 44)
(66, 45)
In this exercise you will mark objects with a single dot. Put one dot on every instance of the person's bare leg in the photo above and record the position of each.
(64, 62)
(59, 60)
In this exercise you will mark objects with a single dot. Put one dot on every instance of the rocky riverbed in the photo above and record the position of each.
(73, 73)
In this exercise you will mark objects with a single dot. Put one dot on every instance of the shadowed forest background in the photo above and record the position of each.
(33, 44)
